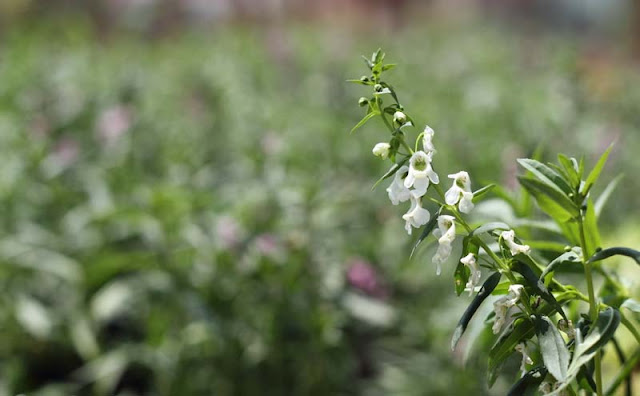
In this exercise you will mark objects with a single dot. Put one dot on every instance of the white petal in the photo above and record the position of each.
(466, 203)
(452, 195)
(421, 186)
(433, 176)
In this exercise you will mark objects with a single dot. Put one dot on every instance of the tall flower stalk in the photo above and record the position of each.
(529, 306)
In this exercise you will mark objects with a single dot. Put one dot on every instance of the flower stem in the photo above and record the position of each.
(593, 304)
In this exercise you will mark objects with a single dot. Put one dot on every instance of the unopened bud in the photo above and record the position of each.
(381, 150)
(399, 117)
(377, 87)
(364, 79)
(363, 102)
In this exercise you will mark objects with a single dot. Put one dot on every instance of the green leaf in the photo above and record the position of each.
(388, 67)
(591, 232)
(567, 257)
(358, 81)
(378, 56)
(622, 251)
(595, 172)
(554, 351)
(484, 292)
(477, 195)
(585, 379)
(540, 189)
(529, 383)
(462, 273)
(364, 120)
(368, 62)
(631, 304)
(546, 175)
(606, 193)
(390, 172)
(518, 331)
(536, 284)
(426, 230)
(570, 166)
(550, 246)
(488, 227)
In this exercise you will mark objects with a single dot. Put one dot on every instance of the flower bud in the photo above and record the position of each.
(377, 87)
(363, 102)
(364, 79)
(381, 150)
(400, 118)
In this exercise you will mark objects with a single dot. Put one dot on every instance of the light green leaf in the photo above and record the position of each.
(477, 195)
(364, 120)
(595, 172)
(591, 232)
(538, 189)
(606, 193)
(546, 175)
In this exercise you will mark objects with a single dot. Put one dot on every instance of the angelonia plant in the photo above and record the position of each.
(559, 331)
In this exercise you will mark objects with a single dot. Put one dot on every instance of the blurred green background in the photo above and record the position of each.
(183, 210)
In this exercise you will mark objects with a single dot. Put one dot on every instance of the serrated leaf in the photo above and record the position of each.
(484, 292)
(554, 351)
(529, 383)
(546, 175)
(477, 195)
(364, 120)
(605, 194)
(431, 224)
(622, 251)
(533, 281)
(595, 172)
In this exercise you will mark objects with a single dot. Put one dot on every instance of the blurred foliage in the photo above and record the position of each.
(189, 216)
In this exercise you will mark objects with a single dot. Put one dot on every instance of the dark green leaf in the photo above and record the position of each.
(461, 274)
(427, 230)
(364, 120)
(540, 189)
(484, 292)
(563, 258)
(546, 175)
(595, 172)
(535, 283)
(529, 383)
(622, 251)
(585, 379)
(554, 351)
(477, 195)
(518, 331)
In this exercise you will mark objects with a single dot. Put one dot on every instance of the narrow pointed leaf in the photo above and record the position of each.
(563, 258)
(364, 120)
(431, 224)
(554, 351)
(595, 172)
(529, 383)
(477, 195)
(488, 227)
(390, 172)
(631, 304)
(537, 284)
(622, 251)
(546, 175)
(462, 273)
(484, 292)
(592, 234)
(537, 189)
(605, 194)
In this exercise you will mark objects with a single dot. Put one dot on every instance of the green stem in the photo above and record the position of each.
(593, 304)
(624, 372)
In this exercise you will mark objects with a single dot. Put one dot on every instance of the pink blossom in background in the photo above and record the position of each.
(228, 232)
(113, 123)
(363, 276)
(65, 152)
(267, 244)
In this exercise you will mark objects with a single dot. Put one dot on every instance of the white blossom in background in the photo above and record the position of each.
(515, 248)
(526, 359)
(427, 140)
(381, 150)
(396, 190)
(446, 234)
(420, 173)
(460, 192)
(417, 216)
(502, 305)
(474, 278)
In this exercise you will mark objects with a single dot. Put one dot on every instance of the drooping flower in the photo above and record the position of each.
(397, 190)
(420, 173)
(427, 140)
(474, 278)
(446, 234)
(381, 150)
(460, 192)
(526, 359)
(515, 248)
(502, 305)
(417, 216)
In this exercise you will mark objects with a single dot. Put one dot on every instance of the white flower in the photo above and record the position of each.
(427, 138)
(508, 237)
(396, 190)
(474, 278)
(420, 173)
(417, 216)
(446, 234)
(399, 117)
(381, 150)
(502, 305)
(460, 191)
(525, 358)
